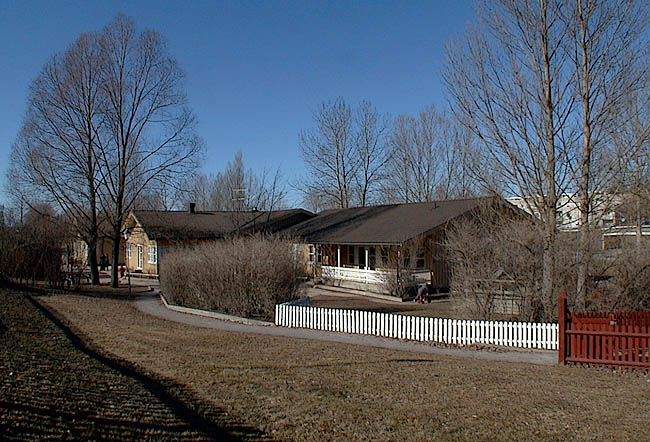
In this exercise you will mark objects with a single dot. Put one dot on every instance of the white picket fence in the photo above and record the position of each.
(420, 328)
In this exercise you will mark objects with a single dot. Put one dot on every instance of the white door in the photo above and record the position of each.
(140, 257)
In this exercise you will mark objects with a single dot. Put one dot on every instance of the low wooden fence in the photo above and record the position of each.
(609, 339)
(420, 328)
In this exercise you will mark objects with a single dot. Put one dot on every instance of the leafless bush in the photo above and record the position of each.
(621, 280)
(33, 250)
(397, 278)
(504, 258)
(493, 261)
(244, 276)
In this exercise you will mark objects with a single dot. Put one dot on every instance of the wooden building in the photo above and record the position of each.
(151, 233)
(365, 247)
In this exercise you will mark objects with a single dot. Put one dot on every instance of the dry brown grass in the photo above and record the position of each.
(309, 390)
(54, 387)
(445, 308)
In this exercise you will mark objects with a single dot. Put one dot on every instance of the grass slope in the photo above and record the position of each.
(53, 386)
(295, 389)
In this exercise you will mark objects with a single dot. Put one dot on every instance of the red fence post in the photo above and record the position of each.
(562, 320)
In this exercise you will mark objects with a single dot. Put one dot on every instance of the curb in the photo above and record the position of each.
(213, 315)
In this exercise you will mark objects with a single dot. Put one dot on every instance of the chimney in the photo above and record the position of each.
(192, 208)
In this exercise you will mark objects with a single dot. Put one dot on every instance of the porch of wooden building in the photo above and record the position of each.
(371, 265)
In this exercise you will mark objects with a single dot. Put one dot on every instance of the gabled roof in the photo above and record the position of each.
(180, 225)
(387, 224)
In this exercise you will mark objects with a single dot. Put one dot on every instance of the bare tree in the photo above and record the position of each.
(372, 152)
(314, 200)
(462, 165)
(509, 86)
(54, 157)
(163, 195)
(329, 153)
(237, 189)
(198, 189)
(632, 140)
(149, 131)
(429, 159)
(606, 45)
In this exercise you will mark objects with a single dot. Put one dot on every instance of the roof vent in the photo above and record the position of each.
(192, 208)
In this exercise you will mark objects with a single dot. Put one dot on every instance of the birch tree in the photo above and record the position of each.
(608, 51)
(632, 140)
(509, 86)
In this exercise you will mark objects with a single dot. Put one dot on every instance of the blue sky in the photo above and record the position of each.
(254, 70)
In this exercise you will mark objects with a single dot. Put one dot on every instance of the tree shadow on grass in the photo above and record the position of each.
(207, 419)
(91, 291)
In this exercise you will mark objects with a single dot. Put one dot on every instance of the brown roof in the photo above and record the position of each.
(178, 225)
(388, 224)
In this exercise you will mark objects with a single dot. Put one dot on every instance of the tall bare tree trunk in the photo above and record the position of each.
(585, 167)
(115, 258)
(550, 205)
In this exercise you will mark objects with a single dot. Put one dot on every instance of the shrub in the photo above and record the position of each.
(483, 255)
(33, 250)
(244, 276)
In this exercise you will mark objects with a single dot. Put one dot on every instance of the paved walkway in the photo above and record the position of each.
(153, 306)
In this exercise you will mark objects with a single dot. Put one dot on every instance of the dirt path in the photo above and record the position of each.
(152, 306)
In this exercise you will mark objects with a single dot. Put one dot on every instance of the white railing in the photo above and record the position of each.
(420, 328)
(356, 275)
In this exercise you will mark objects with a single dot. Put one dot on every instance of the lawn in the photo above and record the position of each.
(295, 389)
(54, 387)
(443, 308)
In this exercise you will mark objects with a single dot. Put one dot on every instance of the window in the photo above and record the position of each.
(612, 242)
(140, 257)
(312, 253)
(128, 251)
(419, 262)
(319, 255)
(153, 255)
(362, 257)
(297, 252)
(351, 255)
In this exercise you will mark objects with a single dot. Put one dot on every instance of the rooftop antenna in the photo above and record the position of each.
(238, 195)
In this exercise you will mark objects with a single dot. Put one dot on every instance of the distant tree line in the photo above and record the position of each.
(236, 189)
(356, 156)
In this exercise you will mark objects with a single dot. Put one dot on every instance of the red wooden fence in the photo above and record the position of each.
(610, 339)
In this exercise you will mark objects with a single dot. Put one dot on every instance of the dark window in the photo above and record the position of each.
(384, 256)
(419, 263)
